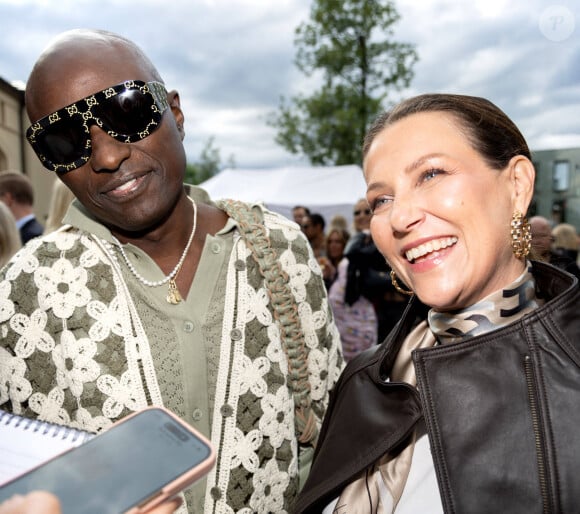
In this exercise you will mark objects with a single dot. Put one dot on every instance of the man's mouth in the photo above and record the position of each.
(127, 186)
(426, 248)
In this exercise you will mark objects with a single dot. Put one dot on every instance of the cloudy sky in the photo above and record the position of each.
(231, 60)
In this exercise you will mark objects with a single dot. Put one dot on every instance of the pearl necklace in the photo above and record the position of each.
(173, 295)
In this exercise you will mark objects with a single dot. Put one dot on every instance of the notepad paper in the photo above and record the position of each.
(25, 443)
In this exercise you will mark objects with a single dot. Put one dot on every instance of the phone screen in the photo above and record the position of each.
(118, 469)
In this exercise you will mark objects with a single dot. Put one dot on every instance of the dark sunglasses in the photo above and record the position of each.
(128, 112)
(366, 211)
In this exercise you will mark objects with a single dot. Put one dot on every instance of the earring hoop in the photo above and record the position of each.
(397, 286)
(521, 235)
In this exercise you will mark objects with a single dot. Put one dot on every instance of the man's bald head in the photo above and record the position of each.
(83, 51)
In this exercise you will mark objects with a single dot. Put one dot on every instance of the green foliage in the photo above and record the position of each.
(208, 164)
(349, 43)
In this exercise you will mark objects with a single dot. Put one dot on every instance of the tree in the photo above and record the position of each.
(208, 164)
(348, 42)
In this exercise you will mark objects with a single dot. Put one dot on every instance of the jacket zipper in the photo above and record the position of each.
(536, 424)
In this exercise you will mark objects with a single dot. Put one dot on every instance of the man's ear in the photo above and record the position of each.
(522, 176)
(7, 198)
(175, 106)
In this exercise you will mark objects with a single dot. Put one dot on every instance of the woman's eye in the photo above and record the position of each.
(380, 203)
(430, 174)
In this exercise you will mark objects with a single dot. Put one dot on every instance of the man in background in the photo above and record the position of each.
(17, 193)
(299, 212)
(545, 248)
(313, 227)
(541, 238)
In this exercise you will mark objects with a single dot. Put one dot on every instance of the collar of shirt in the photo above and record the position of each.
(24, 220)
(78, 216)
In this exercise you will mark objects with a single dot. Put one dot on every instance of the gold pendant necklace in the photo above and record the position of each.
(173, 295)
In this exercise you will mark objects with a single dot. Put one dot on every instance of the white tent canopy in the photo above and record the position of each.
(327, 190)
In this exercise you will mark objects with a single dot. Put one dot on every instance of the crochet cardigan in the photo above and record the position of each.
(74, 351)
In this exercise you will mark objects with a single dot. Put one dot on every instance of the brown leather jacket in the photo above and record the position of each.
(502, 411)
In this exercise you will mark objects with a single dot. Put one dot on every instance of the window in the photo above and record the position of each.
(561, 176)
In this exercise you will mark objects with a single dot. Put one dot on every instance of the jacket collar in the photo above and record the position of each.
(551, 283)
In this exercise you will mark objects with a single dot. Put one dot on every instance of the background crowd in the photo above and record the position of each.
(366, 306)
(364, 302)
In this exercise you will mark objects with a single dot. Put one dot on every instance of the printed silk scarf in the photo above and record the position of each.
(498, 309)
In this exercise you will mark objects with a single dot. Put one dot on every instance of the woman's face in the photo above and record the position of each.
(335, 245)
(361, 216)
(441, 215)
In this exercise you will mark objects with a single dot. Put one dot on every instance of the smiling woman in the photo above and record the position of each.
(428, 209)
(483, 391)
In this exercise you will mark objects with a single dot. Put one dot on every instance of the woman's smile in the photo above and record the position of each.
(419, 252)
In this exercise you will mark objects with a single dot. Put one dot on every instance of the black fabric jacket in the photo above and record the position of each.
(502, 411)
(32, 228)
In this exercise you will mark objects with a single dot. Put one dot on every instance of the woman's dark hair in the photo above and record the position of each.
(489, 130)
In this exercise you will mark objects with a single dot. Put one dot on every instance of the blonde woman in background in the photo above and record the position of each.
(565, 248)
(61, 199)
(10, 241)
(566, 237)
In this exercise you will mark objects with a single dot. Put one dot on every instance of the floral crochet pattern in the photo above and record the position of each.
(74, 350)
(62, 288)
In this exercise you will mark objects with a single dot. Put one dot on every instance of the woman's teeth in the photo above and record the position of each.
(431, 246)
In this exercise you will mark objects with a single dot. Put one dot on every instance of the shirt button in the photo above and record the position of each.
(197, 414)
(188, 326)
(216, 494)
(216, 248)
(240, 265)
(226, 410)
(236, 334)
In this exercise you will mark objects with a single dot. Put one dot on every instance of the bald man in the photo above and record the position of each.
(156, 295)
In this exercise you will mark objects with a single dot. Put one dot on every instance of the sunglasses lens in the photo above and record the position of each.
(127, 113)
(63, 143)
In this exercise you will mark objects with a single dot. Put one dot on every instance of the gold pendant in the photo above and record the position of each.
(173, 296)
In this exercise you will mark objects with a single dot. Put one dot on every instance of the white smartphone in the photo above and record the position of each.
(139, 462)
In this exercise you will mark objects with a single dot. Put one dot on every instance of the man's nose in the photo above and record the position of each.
(107, 153)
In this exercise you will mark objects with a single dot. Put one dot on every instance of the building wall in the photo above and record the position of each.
(557, 191)
(15, 152)
(10, 129)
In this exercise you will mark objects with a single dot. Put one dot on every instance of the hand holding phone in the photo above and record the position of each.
(37, 502)
(140, 462)
(42, 502)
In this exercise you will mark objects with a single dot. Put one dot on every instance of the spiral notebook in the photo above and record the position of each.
(25, 443)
